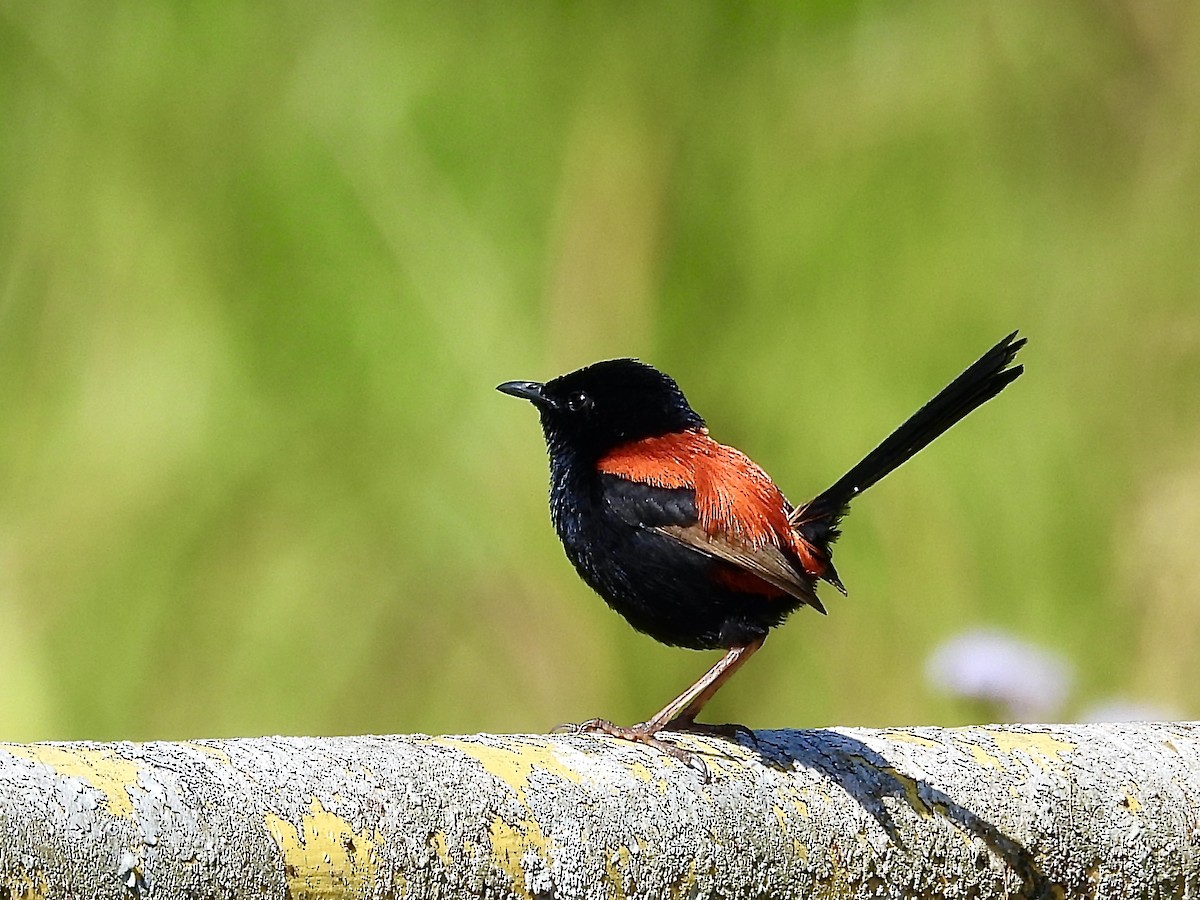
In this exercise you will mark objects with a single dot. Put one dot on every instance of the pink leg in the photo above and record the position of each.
(682, 711)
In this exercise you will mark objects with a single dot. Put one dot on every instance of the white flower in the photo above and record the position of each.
(1028, 683)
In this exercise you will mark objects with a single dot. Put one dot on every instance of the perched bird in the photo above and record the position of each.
(689, 539)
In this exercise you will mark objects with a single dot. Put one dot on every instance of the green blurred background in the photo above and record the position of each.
(261, 266)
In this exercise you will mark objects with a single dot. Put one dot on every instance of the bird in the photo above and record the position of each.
(689, 539)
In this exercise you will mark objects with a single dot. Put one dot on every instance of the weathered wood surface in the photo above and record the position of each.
(1025, 811)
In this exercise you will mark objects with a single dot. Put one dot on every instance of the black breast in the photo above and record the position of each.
(663, 588)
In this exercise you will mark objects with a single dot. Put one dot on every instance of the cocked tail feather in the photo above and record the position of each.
(818, 519)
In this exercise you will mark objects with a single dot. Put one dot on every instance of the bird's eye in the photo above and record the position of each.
(579, 402)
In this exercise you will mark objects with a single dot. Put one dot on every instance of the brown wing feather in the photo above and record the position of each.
(765, 561)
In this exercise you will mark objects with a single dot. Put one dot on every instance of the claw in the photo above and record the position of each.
(642, 733)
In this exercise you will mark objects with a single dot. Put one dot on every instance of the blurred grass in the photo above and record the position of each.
(261, 266)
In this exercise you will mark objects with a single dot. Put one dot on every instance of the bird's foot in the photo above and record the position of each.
(642, 733)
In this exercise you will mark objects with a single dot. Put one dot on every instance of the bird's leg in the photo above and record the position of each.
(681, 712)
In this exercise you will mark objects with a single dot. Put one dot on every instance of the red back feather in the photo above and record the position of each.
(734, 496)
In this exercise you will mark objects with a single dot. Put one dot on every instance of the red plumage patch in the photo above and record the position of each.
(744, 582)
(734, 496)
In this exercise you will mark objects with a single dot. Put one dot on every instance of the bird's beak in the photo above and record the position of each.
(526, 390)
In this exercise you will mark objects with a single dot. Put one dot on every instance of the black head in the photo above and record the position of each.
(606, 404)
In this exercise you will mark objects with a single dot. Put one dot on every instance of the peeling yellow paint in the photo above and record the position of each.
(614, 868)
(966, 838)
(21, 884)
(640, 772)
(687, 881)
(508, 845)
(514, 764)
(515, 761)
(643, 846)
(102, 769)
(216, 752)
(911, 793)
(799, 849)
(438, 840)
(326, 857)
(908, 737)
(984, 758)
(1040, 747)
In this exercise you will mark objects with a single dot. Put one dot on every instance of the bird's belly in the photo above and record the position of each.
(665, 589)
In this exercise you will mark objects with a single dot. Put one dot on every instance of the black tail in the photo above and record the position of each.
(818, 519)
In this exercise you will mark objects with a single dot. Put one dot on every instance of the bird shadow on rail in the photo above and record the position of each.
(869, 777)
